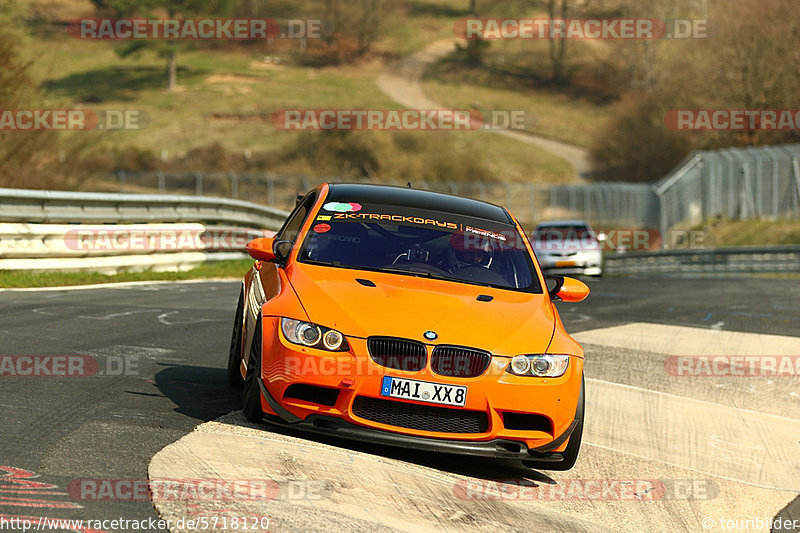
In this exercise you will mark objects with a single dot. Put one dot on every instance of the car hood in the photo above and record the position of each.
(407, 306)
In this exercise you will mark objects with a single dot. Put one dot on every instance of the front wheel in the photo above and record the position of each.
(570, 454)
(252, 391)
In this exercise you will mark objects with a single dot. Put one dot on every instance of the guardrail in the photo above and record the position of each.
(54, 230)
(745, 259)
(22, 205)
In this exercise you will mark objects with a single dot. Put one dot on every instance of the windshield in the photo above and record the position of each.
(563, 231)
(420, 243)
(564, 237)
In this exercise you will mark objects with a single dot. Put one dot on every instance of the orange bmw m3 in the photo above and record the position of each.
(409, 318)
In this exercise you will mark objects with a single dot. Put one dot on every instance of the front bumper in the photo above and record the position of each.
(497, 448)
(354, 374)
(586, 263)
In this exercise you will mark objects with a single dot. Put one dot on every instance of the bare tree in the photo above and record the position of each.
(753, 60)
(368, 19)
(353, 21)
(562, 10)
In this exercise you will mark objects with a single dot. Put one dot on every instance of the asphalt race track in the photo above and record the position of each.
(662, 452)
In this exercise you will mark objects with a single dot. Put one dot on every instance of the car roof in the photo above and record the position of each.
(550, 223)
(407, 197)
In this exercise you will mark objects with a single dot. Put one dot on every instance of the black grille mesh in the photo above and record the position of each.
(459, 362)
(420, 417)
(400, 354)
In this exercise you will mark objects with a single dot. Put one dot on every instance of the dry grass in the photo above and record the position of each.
(722, 233)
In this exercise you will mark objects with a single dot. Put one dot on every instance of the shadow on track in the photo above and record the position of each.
(198, 392)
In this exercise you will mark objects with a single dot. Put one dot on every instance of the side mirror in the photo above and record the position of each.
(567, 289)
(282, 250)
(261, 249)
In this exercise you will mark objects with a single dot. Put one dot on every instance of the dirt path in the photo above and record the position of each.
(403, 85)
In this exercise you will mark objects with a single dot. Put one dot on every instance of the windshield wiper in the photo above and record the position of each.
(418, 273)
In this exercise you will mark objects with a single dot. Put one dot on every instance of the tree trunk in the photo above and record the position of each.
(332, 21)
(474, 46)
(558, 47)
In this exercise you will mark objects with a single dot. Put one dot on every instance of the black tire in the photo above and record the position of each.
(234, 355)
(252, 392)
(570, 454)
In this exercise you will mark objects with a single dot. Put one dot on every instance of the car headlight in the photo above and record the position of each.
(313, 336)
(540, 365)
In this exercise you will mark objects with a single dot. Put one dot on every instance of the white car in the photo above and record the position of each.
(569, 247)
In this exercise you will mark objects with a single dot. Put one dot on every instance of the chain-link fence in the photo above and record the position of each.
(732, 183)
(602, 204)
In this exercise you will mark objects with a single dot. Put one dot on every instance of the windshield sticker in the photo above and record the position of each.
(341, 207)
(322, 228)
(485, 233)
(398, 218)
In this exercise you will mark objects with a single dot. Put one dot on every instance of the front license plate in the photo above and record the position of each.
(562, 264)
(424, 391)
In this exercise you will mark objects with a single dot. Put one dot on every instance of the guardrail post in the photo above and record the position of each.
(234, 184)
(775, 182)
(198, 183)
(121, 174)
(162, 185)
(270, 188)
(796, 172)
(662, 217)
(531, 202)
(572, 206)
(587, 204)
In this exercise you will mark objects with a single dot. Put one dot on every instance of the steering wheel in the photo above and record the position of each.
(480, 274)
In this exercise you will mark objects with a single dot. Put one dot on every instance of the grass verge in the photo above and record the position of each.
(726, 233)
(514, 75)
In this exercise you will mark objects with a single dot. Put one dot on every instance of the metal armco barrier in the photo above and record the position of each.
(21, 205)
(53, 230)
(774, 259)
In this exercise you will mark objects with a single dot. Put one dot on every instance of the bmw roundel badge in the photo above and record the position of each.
(430, 335)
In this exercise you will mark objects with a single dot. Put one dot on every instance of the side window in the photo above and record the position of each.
(292, 225)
